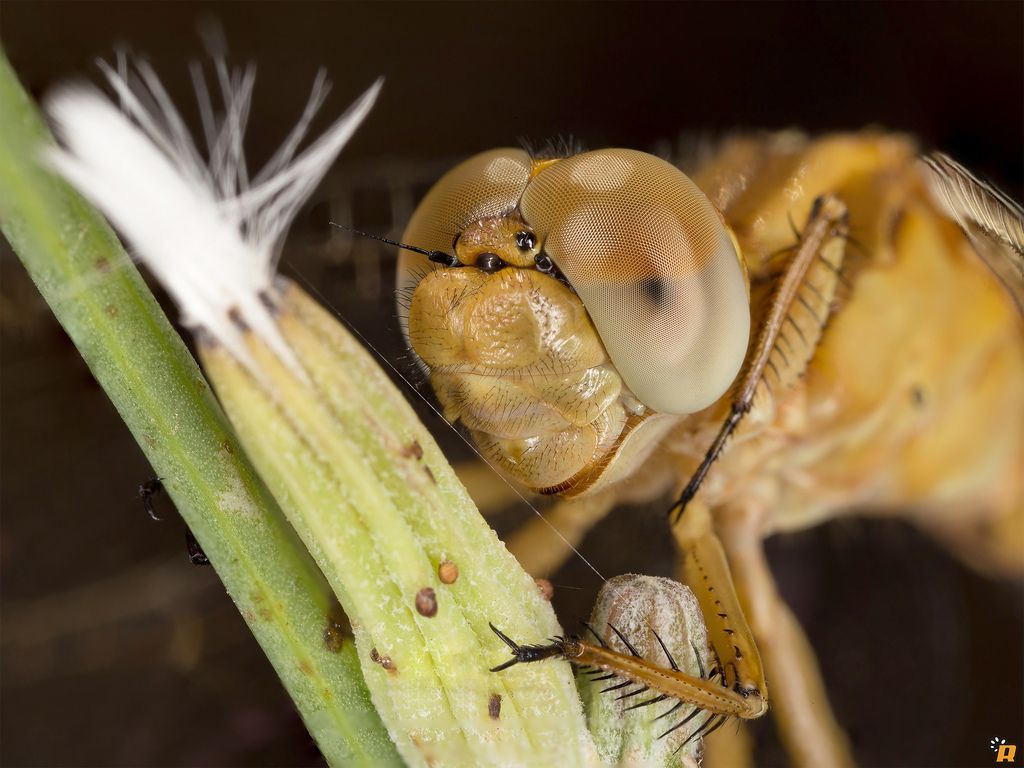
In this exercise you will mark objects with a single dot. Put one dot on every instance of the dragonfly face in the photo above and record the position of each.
(595, 301)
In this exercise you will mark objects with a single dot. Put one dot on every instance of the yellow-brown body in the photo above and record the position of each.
(913, 402)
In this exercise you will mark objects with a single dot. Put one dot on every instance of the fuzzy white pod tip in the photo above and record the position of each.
(209, 232)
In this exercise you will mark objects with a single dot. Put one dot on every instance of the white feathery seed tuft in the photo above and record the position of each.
(209, 232)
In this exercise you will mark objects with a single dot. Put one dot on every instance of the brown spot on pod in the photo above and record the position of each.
(102, 265)
(111, 310)
(448, 572)
(430, 475)
(426, 602)
(423, 748)
(384, 661)
(547, 589)
(259, 602)
(413, 449)
(494, 706)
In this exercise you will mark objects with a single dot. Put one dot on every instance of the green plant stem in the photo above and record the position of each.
(101, 301)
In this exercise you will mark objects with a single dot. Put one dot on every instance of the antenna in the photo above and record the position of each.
(438, 257)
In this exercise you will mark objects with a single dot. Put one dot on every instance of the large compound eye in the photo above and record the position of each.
(485, 185)
(655, 267)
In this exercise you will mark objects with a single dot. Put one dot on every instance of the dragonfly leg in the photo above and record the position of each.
(803, 716)
(490, 494)
(729, 747)
(703, 567)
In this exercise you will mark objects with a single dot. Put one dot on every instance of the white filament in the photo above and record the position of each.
(207, 231)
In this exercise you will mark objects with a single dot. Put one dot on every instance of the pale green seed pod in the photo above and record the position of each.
(636, 605)
(380, 509)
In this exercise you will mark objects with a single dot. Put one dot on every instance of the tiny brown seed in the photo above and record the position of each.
(448, 572)
(413, 449)
(384, 661)
(494, 706)
(547, 589)
(426, 602)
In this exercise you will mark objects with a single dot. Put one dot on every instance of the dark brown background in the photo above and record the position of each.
(115, 652)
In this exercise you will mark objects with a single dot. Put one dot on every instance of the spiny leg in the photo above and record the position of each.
(803, 717)
(638, 673)
(647, 702)
(696, 691)
(709, 726)
(789, 322)
(696, 711)
(704, 569)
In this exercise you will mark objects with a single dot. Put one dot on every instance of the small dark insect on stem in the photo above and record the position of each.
(147, 490)
(155, 487)
(196, 556)
(438, 257)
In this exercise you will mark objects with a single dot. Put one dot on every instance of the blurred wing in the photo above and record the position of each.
(992, 220)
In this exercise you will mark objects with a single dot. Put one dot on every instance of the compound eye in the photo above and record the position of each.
(544, 263)
(486, 185)
(489, 262)
(655, 267)
(525, 241)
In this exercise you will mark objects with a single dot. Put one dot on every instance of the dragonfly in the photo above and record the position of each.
(798, 330)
